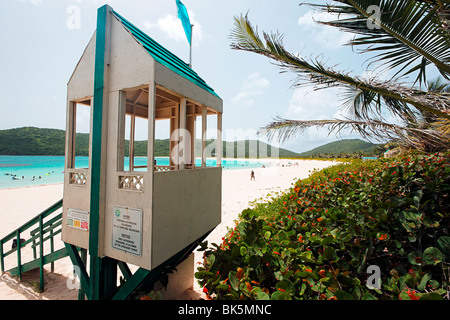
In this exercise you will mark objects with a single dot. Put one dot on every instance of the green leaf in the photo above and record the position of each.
(233, 280)
(431, 296)
(421, 286)
(302, 289)
(443, 244)
(247, 214)
(260, 295)
(278, 295)
(415, 258)
(327, 240)
(368, 296)
(328, 253)
(243, 251)
(344, 280)
(222, 287)
(432, 256)
(278, 275)
(267, 235)
(286, 285)
(342, 295)
(210, 260)
(434, 284)
(308, 257)
(416, 198)
(203, 274)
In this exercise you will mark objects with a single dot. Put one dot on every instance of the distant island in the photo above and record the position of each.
(41, 141)
(342, 148)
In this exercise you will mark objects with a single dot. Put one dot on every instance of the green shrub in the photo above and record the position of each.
(317, 240)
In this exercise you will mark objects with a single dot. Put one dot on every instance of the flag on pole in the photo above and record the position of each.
(184, 17)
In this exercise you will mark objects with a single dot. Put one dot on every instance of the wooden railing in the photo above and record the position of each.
(40, 233)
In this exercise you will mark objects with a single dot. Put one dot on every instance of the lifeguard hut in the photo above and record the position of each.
(148, 215)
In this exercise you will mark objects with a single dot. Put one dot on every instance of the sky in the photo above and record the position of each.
(43, 40)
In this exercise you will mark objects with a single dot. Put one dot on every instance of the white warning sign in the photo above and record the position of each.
(127, 230)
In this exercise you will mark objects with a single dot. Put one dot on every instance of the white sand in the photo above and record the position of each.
(19, 205)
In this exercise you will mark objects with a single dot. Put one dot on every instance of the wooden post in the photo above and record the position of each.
(132, 135)
(204, 119)
(2, 260)
(98, 155)
(182, 133)
(219, 140)
(121, 131)
(174, 120)
(151, 130)
(72, 134)
(191, 127)
(19, 256)
(41, 253)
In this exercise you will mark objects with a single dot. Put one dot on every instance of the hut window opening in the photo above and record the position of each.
(133, 130)
(79, 134)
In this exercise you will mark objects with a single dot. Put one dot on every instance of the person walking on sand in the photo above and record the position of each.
(252, 175)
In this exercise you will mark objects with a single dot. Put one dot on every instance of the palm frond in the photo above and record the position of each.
(395, 97)
(409, 136)
(408, 34)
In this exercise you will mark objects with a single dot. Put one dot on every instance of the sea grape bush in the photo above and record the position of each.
(317, 240)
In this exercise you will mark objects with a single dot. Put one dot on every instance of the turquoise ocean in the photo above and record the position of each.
(23, 171)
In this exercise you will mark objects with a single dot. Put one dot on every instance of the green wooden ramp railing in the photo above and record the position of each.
(38, 236)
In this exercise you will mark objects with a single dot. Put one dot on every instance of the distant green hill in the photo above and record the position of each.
(34, 141)
(345, 146)
(38, 141)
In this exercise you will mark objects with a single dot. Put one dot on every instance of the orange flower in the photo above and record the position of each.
(249, 287)
(383, 237)
(305, 191)
(240, 273)
(254, 282)
(322, 273)
(319, 219)
(300, 238)
(412, 295)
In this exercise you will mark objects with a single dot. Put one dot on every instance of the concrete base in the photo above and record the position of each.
(180, 281)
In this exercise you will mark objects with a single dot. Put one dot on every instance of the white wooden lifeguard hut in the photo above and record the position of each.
(146, 214)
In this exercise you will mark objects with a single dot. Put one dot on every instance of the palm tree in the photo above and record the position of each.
(407, 35)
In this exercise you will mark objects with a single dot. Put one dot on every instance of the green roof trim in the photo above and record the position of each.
(164, 56)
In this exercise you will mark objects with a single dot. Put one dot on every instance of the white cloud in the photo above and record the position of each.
(325, 36)
(253, 86)
(307, 104)
(172, 28)
(35, 2)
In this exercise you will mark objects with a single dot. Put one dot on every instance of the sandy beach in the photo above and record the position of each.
(19, 205)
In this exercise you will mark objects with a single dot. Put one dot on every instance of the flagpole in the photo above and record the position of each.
(190, 48)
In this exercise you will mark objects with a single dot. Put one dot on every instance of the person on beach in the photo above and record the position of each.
(252, 175)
